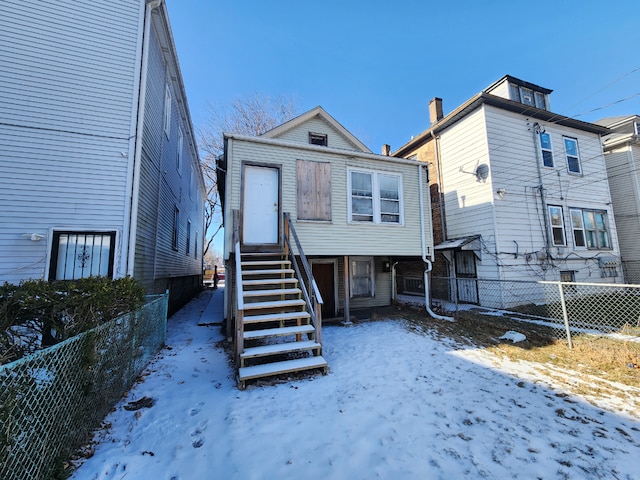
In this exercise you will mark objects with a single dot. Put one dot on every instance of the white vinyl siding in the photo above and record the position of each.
(513, 225)
(624, 179)
(70, 78)
(300, 134)
(319, 238)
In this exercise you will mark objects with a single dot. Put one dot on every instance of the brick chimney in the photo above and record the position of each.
(386, 149)
(435, 110)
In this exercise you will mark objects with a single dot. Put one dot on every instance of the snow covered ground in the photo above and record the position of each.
(398, 403)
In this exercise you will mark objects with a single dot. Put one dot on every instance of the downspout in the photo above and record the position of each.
(135, 190)
(427, 302)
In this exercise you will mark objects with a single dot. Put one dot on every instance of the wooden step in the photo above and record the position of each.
(278, 348)
(268, 281)
(279, 332)
(298, 302)
(270, 369)
(272, 292)
(283, 271)
(275, 317)
(260, 263)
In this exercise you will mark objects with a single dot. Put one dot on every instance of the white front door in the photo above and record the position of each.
(261, 206)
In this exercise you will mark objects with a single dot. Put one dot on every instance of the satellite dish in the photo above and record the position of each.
(482, 172)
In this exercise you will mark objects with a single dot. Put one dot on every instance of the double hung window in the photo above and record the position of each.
(573, 158)
(557, 225)
(546, 148)
(376, 197)
(590, 228)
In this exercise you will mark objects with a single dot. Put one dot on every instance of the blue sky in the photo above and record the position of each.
(375, 65)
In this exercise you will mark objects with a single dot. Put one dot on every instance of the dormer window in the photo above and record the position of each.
(528, 96)
(318, 139)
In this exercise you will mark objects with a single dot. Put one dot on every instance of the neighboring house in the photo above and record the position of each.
(518, 193)
(99, 171)
(622, 156)
(356, 215)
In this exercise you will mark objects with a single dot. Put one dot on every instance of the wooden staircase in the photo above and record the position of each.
(275, 332)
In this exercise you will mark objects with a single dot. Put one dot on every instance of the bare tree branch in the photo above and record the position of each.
(251, 115)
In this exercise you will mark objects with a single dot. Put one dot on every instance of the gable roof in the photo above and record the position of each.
(317, 112)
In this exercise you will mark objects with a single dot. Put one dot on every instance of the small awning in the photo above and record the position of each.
(471, 243)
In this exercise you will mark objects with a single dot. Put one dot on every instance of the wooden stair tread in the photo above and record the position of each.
(258, 263)
(268, 281)
(280, 271)
(277, 348)
(268, 332)
(275, 304)
(269, 369)
(274, 317)
(272, 292)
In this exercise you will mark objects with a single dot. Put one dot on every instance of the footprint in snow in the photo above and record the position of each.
(196, 410)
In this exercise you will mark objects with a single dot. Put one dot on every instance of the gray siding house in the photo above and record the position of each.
(622, 156)
(99, 171)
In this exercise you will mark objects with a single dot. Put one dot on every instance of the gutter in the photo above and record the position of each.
(427, 302)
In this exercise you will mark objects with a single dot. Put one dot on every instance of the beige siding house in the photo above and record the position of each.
(622, 155)
(518, 193)
(356, 216)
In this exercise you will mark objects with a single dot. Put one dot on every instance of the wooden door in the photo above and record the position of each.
(324, 273)
(260, 205)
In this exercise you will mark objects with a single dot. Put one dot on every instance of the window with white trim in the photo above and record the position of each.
(547, 149)
(77, 255)
(376, 197)
(167, 110)
(571, 151)
(179, 152)
(361, 277)
(176, 228)
(577, 226)
(596, 229)
(188, 248)
(557, 225)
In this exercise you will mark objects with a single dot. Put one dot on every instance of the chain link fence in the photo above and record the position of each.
(567, 308)
(52, 400)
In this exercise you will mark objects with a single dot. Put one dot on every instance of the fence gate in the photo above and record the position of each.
(466, 277)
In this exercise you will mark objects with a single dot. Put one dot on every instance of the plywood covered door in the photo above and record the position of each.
(260, 205)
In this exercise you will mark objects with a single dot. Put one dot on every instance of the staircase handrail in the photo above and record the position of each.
(238, 344)
(314, 301)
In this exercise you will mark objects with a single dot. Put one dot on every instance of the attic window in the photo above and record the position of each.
(318, 139)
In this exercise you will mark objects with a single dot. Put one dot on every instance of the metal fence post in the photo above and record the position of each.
(565, 315)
